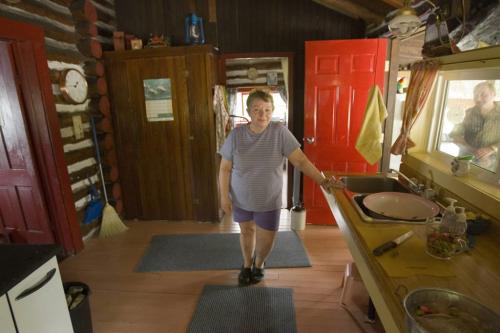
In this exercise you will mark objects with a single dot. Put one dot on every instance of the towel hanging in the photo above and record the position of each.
(369, 142)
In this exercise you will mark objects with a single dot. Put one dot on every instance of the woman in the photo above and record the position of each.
(251, 180)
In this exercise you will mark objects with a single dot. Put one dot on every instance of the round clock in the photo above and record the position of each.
(73, 86)
(252, 73)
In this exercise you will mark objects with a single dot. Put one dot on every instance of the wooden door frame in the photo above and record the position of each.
(44, 133)
(290, 57)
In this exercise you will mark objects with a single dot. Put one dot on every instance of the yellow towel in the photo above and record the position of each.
(369, 139)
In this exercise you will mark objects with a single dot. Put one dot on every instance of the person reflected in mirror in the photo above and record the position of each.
(479, 133)
(251, 181)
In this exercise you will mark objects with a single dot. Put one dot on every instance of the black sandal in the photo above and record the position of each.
(257, 273)
(245, 276)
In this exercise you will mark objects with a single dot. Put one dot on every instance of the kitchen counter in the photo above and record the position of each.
(18, 261)
(475, 274)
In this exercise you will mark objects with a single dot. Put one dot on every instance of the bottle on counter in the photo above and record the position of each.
(449, 216)
(461, 223)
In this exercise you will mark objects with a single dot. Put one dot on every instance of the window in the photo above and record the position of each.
(469, 123)
(280, 112)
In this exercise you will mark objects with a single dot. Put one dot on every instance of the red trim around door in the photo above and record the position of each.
(45, 132)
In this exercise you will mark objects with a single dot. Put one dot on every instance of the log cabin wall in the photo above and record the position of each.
(76, 32)
(240, 26)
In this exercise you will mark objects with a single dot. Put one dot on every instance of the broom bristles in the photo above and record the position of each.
(111, 223)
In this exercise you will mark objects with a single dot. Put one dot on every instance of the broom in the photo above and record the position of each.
(111, 223)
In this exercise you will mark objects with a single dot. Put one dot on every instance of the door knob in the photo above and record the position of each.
(310, 140)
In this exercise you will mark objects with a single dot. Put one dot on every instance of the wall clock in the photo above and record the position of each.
(252, 73)
(73, 85)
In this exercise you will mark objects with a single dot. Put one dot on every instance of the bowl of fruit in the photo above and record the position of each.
(441, 243)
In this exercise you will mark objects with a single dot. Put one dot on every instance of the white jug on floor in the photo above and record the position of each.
(298, 218)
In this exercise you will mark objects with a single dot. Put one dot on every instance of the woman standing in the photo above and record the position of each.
(251, 181)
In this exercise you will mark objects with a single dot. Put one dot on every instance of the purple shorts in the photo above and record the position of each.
(269, 220)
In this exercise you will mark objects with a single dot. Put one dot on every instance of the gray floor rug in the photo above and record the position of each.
(224, 309)
(215, 251)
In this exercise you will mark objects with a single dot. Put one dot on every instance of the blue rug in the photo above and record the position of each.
(215, 251)
(226, 309)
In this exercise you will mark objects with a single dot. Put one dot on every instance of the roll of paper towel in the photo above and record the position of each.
(298, 217)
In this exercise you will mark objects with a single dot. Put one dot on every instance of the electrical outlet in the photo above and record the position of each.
(77, 127)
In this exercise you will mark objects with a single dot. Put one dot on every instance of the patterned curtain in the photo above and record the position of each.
(231, 99)
(221, 115)
(283, 93)
(423, 75)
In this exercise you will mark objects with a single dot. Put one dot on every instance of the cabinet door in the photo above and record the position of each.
(6, 321)
(153, 156)
(202, 127)
(38, 302)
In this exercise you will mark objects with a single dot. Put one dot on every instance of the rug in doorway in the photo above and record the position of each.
(228, 309)
(195, 252)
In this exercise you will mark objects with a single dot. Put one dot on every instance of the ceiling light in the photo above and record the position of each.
(405, 22)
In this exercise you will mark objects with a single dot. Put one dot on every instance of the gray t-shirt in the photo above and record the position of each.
(257, 174)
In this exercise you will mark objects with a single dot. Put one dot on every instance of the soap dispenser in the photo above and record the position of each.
(449, 216)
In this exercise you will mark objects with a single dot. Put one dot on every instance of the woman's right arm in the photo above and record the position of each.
(224, 177)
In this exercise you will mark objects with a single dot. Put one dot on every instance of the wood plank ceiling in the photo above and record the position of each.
(376, 13)
(370, 11)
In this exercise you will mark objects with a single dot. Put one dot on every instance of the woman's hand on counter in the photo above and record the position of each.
(330, 183)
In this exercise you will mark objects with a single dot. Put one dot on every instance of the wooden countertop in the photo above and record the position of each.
(476, 274)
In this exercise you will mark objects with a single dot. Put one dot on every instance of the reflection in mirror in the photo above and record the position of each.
(471, 121)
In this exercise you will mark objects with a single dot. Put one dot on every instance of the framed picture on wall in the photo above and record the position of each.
(272, 79)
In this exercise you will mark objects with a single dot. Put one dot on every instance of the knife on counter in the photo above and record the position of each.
(379, 250)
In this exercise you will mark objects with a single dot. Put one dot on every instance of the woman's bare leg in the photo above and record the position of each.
(264, 245)
(247, 242)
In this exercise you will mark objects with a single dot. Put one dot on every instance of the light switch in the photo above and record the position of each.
(77, 127)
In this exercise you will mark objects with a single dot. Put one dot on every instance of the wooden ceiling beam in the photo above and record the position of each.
(394, 3)
(351, 9)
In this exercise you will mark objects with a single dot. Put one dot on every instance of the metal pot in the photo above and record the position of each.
(482, 319)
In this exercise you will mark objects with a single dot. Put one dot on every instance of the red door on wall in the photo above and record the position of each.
(339, 74)
(23, 212)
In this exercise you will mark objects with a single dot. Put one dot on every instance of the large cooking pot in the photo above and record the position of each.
(454, 312)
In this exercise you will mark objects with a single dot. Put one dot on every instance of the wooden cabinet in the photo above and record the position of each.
(168, 169)
(38, 303)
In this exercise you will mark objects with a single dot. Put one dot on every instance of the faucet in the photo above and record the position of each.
(412, 182)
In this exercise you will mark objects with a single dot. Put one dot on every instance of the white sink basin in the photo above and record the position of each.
(400, 205)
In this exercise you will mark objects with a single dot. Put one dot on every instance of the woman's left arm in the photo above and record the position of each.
(301, 162)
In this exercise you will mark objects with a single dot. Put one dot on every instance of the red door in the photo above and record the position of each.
(23, 213)
(339, 74)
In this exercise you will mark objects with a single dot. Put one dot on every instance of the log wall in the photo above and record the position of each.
(76, 33)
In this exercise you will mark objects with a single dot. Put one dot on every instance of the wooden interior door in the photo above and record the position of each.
(23, 211)
(153, 157)
(339, 74)
(200, 83)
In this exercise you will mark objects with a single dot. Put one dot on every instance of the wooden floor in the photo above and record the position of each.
(125, 301)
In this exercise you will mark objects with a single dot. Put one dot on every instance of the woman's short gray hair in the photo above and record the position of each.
(259, 94)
